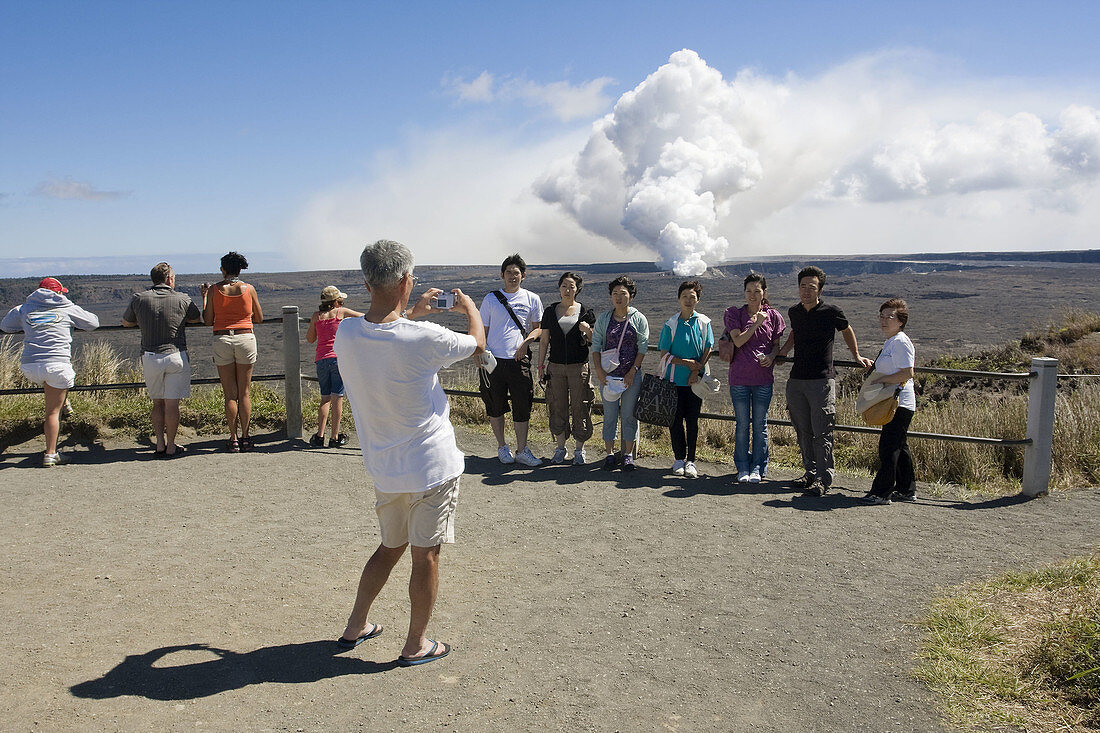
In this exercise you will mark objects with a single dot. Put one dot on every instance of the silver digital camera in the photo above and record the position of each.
(443, 301)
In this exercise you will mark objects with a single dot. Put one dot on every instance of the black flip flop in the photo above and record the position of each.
(349, 644)
(431, 656)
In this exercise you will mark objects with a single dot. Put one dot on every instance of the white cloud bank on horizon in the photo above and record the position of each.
(68, 189)
(454, 199)
(875, 155)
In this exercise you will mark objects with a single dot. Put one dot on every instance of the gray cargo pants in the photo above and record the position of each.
(812, 406)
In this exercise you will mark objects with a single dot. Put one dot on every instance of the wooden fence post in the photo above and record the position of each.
(292, 368)
(1039, 454)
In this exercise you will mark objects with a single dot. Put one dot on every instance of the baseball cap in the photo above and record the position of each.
(52, 283)
(613, 389)
(706, 384)
(331, 293)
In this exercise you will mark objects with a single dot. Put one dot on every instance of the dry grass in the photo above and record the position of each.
(1022, 650)
(100, 414)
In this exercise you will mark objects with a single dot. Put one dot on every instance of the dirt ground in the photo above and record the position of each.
(203, 593)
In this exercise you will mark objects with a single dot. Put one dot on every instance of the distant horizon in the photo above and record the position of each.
(33, 267)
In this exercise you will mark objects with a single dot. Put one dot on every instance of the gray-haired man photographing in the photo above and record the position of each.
(390, 366)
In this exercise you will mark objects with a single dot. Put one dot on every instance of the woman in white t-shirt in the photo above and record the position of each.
(895, 477)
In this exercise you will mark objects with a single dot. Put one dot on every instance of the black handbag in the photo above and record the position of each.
(657, 398)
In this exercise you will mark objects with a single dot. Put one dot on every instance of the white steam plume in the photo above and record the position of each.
(662, 166)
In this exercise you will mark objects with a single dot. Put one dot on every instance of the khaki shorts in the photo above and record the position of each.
(234, 349)
(421, 519)
(167, 376)
(57, 374)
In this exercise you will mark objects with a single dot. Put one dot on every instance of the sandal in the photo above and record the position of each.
(246, 444)
(232, 446)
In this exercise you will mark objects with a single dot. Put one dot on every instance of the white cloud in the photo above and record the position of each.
(67, 188)
(455, 197)
(697, 168)
(885, 153)
(565, 101)
(992, 153)
(478, 90)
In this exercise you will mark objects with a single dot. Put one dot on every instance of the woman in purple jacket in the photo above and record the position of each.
(754, 329)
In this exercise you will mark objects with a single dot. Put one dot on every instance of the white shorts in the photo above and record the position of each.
(57, 374)
(167, 376)
(421, 518)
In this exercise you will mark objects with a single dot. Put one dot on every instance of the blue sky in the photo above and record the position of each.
(156, 129)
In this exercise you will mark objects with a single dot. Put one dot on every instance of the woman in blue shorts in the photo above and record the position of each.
(322, 330)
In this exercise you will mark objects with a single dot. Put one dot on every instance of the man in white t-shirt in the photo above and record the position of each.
(390, 368)
(507, 337)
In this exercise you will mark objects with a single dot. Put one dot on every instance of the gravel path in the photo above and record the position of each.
(202, 593)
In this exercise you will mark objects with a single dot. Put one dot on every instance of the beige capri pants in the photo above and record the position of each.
(569, 398)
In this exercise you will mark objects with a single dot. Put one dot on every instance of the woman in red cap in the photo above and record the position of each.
(46, 320)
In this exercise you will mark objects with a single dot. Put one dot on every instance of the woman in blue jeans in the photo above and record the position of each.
(624, 331)
(754, 329)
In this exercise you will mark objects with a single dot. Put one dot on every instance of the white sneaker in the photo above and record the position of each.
(754, 477)
(527, 458)
(55, 459)
(559, 456)
(743, 477)
(689, 470)
(504, 453)
(678, 468)
(579, 458)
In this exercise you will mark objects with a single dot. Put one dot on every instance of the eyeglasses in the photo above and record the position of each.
(890, 317)
(414, 279)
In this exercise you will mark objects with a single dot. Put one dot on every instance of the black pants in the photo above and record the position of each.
(895, 471)
(685, 430)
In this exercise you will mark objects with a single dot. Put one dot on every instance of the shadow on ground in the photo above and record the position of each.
(288, 663)
(93, 452)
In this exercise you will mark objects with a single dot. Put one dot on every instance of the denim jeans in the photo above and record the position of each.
(622, 408)
(750, 408)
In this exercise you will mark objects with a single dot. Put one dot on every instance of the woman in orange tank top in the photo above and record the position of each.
(231, 307)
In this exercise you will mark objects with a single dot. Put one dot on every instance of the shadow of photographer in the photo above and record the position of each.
(288, 663)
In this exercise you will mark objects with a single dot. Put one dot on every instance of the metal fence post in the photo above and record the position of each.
(292, 368)
(1039, 454)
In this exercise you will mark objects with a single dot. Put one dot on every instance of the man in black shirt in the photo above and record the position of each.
(811, 388)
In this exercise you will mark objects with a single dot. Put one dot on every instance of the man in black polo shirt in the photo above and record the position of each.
(161, 313)
(811, 388)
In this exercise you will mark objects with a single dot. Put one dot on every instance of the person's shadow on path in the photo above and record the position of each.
(289, 663)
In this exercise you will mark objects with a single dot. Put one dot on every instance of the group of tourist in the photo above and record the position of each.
(577, 345)
(388, 362)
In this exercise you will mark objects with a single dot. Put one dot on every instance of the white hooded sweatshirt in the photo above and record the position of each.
(47, 319)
